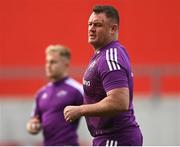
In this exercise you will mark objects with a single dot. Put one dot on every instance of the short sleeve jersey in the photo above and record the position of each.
(108, 69)
(49, 106)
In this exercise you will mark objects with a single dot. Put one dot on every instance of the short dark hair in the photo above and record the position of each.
(110, 12)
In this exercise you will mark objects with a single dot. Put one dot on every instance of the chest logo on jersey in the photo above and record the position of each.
(44, 96)
(61, 93)
(86, 83)
(91, 65)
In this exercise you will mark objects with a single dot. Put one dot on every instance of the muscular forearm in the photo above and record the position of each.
(107, 106)
(117, 100)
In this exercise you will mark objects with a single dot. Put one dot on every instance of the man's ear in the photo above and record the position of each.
(114, 28)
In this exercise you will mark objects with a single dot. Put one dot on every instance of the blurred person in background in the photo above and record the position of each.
(108, 85)
(51, 100)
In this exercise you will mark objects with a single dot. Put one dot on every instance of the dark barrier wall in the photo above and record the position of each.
(150, 29)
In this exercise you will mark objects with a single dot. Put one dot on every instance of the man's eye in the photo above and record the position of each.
(53, 62)
(98, 24)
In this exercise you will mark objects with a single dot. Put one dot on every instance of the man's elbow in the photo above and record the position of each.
(122, 108)
(125, 108)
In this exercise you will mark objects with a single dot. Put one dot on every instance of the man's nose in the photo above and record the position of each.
(92, 28)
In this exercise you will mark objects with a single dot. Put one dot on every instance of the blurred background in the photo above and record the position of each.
(149, 29)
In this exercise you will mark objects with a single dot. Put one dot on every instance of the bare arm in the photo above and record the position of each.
(117, 100)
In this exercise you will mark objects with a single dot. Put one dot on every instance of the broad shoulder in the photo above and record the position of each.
(74, 84)
(113, 54)
(43, 89)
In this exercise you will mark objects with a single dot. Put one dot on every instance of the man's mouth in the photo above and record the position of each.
(91, 36)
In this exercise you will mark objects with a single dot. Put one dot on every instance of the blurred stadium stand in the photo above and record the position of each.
(157, 113)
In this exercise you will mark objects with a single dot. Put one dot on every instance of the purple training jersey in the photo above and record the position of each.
(109, 68)
(49, 106)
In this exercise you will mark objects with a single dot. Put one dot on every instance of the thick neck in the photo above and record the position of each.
(97, 48)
